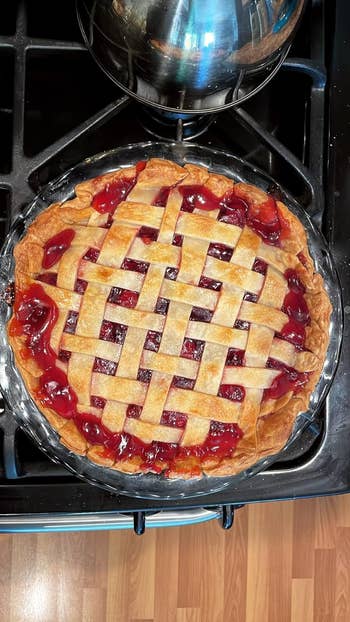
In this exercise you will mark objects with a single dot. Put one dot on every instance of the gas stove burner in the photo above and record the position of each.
(174, 126)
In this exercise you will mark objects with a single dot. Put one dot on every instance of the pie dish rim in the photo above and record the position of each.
(214, 155)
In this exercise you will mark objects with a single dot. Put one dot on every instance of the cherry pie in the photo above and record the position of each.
(167, 320)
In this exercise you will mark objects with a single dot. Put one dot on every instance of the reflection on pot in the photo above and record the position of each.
(190, 55)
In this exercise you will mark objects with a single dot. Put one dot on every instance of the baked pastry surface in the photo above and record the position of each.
(169, 320)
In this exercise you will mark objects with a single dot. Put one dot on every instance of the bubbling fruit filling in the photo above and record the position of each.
(56, 247)
(107, 199)
(266, 220)
(35, 316)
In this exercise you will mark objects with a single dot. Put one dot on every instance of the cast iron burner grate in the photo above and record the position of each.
(57, 107)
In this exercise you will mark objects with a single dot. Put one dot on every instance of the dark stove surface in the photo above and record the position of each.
(57, 107)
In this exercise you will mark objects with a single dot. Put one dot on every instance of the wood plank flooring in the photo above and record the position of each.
(281, 562)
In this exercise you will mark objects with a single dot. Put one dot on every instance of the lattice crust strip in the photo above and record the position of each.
(227, 319)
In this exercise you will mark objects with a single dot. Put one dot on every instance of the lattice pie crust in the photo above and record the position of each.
(213, 320)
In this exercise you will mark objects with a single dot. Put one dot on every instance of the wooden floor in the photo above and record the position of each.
(282, 562)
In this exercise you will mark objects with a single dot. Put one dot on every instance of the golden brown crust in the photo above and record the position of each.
(276, 418)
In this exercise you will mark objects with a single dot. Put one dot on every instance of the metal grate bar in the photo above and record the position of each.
(316, 203)
(93, 123)
(48, 45)
(316, 71)
(19, 88)
(30, 43)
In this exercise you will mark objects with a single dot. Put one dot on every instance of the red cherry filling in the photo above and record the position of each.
(220, 442)
(35, 315)
(140, 166)
(220, 251)
(241, 325)
(144, 375)
(162, 306)
(294, 282)
(159, 452)
(135, 266)
(152, 341)
(197, 196)
(92, 429)
(92, 255)
(173, 419)
(161, 199)
(54, 391)
(294, 332)
(56, 246)
(233, 210)
(148, 235)
(264, 220)
(133, 411)
(107, 199)
(233, 392)
(235, 358)
(47, 277)
(284, 383)
(71, 322)
(189, 194)
(64, 356)
(183, 383)
(198, 314)
(260, 266)
(171, 273)
(113, 295)
(208, 283)
(102, 366)
(250, 297)
(80, 286)
(192, 349)
(177, 240)
(288, 380)
(97, 402)
(111, 331)
(127, 298)
(295, 306)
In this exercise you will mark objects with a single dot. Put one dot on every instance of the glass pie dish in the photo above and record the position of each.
(16, 395)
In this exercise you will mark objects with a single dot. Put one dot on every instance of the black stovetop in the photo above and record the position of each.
(57, 107)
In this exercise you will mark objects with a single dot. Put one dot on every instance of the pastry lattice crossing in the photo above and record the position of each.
(169, 320)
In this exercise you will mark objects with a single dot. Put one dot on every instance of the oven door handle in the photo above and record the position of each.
(31, 523)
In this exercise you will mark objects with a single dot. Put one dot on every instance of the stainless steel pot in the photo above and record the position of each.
(190, 56)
